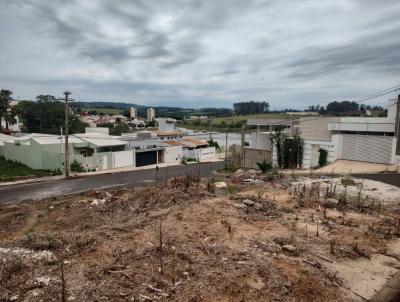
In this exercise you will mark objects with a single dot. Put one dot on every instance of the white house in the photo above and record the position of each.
(368, 139)
(166, 124)
(193, 148)
(94, 150)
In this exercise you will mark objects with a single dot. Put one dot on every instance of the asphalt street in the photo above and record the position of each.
(137, 178)
(389, 178)
(74, 185)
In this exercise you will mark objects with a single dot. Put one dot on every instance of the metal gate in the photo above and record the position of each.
(146, 158)
(368, 148)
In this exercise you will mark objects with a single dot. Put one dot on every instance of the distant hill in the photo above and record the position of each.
(161, 111)
(108, 105)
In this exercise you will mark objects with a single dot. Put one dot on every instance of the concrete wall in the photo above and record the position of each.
(370, 124)
(102, 130)
(173, 154)
(123, 159)
(34, 155)
(311, 152)
(203, 154)
(166, 124)
(315, 129)
(24, 152)
(261, 140)
(98, 162)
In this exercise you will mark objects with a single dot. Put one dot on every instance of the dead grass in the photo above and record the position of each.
(181, 242)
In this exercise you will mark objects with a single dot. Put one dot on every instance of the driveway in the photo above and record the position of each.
(138, 178)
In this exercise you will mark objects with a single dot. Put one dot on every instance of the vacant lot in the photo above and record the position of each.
(190, 241)
(232, 122)
(11, 170)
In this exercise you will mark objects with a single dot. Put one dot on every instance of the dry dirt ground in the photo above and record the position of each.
(187, 241)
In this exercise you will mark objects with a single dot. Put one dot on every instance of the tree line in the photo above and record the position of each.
(251, 107)
(45, 115)
(345, 108)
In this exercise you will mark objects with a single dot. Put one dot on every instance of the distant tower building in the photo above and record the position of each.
(151, 115)
(134, 113)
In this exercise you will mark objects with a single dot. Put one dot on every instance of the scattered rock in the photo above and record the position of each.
(248, 202)
(258, 206)
(220, 185)
(13, 298)
(43, 280)
(289, 248)
(239, 205)
(239, 171)
(27, 254)
(96, 202)
(248, 181)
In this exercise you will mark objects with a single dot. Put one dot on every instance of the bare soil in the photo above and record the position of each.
(186, 241)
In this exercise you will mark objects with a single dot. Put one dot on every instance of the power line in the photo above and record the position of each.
(313, 75)
(375, 95)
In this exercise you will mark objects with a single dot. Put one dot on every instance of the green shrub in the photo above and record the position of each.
(76, 167)
(213, 143)
(264, 166)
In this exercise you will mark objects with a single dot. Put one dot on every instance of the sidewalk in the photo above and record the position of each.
(31, 180)
(345, 167)
(125, 169)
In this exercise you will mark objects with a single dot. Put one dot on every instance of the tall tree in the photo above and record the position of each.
(5, 110)
(46, 115)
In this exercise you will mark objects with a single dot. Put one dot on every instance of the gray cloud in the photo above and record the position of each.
(196, 53)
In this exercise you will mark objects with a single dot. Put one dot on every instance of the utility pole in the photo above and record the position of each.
(242, 143)
(61, 143)
(397, 126)
(209, 127)
(226, 146)
(66, 114)
(156, 174)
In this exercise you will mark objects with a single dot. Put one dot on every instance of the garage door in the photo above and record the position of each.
(122, 159)
(369, 148)
(146, 158)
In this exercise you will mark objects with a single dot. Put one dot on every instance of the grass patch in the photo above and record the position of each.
(10, 170)
(232, 122)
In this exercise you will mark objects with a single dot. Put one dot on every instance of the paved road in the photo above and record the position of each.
(81, 184)
(391, 179)
(130, 178)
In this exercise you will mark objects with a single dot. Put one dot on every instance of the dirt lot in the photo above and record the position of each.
(270, 240)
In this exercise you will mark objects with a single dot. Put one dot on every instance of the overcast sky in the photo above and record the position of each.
(201, 53)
